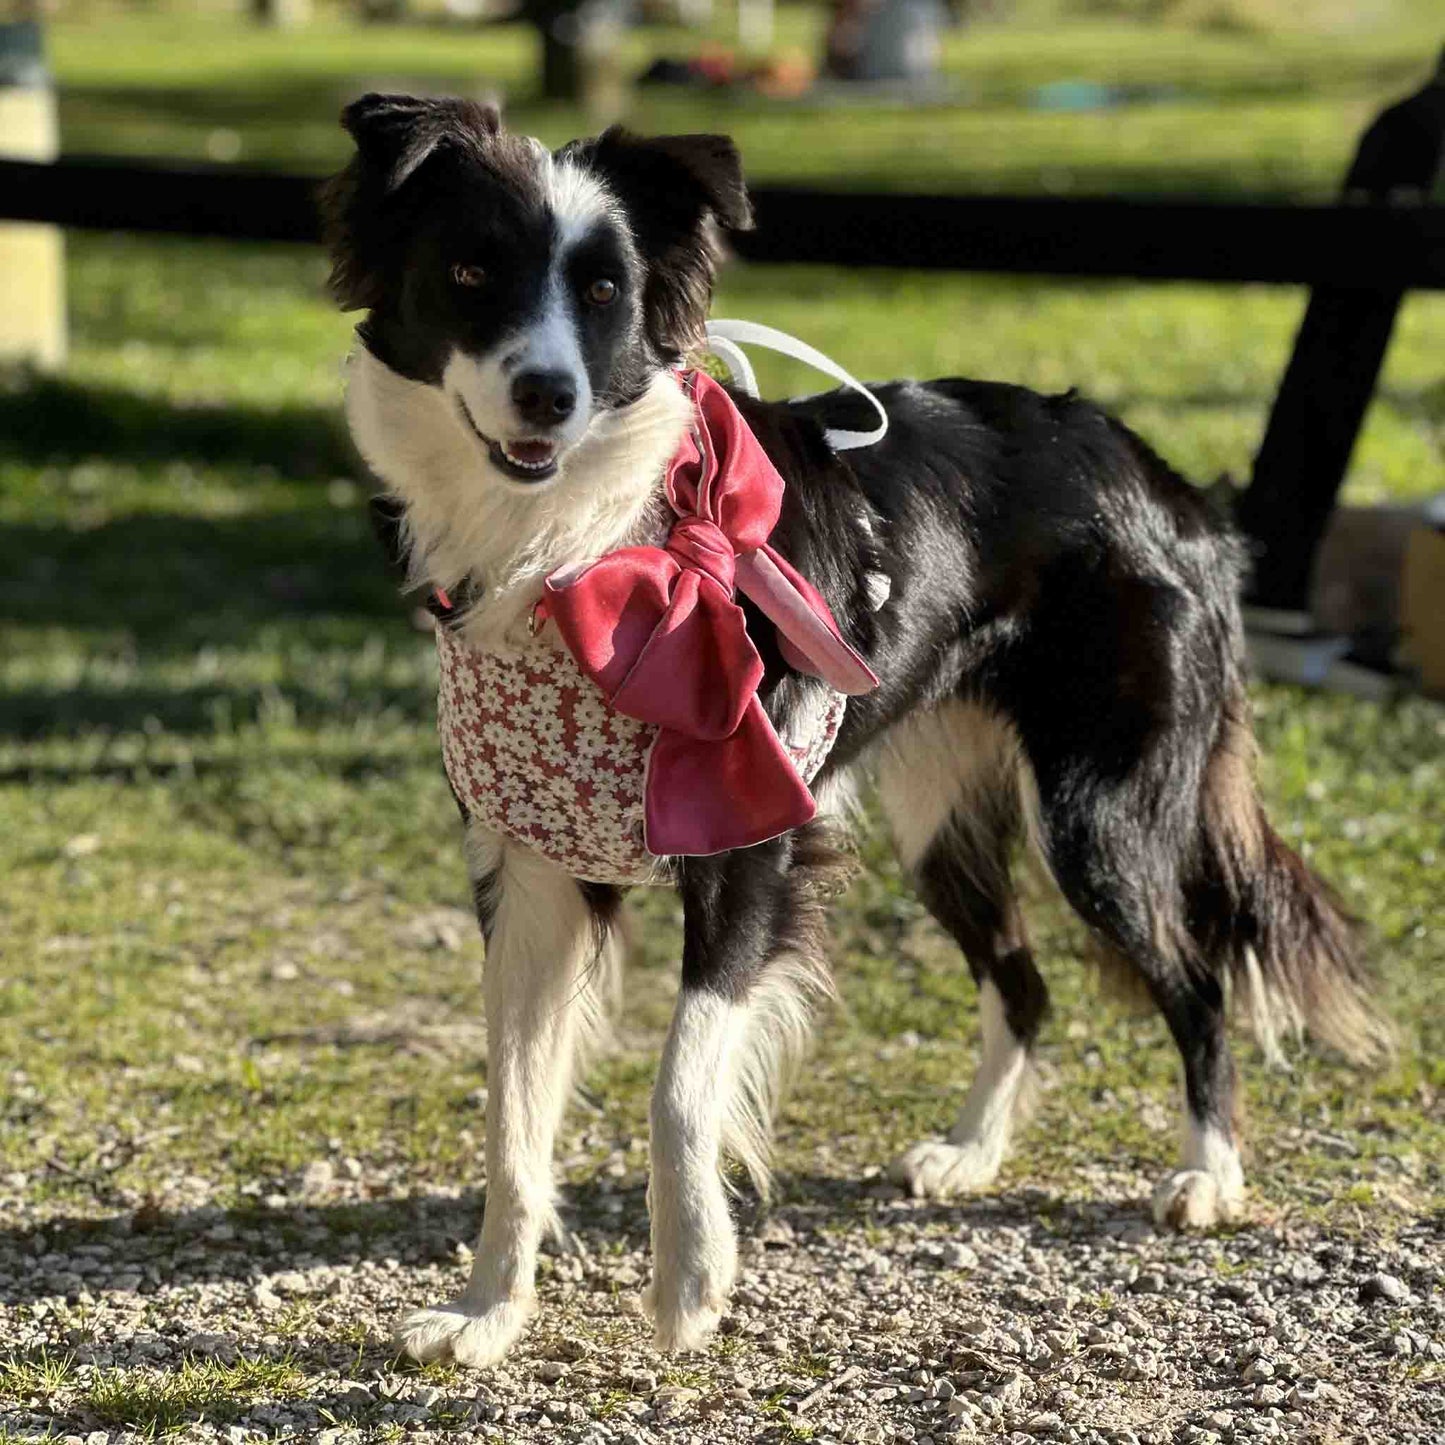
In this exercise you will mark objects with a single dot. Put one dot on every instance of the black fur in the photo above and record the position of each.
(395, 232)
(396, 235)
(1049, 568)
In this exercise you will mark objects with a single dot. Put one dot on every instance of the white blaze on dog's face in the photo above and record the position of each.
(539, 324)
(535, 291)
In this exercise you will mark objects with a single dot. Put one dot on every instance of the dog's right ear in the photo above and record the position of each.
(394, 135)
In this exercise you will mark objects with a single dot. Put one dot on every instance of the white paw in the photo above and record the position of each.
(936, 1169)
(686, 1313)
(471, 1334)
(1192, 1199)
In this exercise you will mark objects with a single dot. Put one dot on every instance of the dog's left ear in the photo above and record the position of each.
(673, 180)
(678, 191)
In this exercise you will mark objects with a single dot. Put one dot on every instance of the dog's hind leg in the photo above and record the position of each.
(752, 965)
(1125, 888)
(1122, 777)
(549, 949)
(949, 784)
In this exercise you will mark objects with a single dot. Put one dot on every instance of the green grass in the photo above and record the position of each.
(221, 805)
(150, 1404)
(1213, 112)
(35, 1373)
(220, 802)
(153, 1405)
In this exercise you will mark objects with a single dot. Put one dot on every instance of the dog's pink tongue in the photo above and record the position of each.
(530, 453)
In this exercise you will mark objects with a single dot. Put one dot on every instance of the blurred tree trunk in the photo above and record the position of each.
(580, 53)
(381, 11)
(282, 14)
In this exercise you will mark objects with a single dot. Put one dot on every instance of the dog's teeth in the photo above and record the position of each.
(529, 463)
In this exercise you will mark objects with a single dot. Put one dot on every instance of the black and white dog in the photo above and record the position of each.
(1060, 655)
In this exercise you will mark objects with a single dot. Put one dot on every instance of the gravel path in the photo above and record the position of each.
(859, 1316)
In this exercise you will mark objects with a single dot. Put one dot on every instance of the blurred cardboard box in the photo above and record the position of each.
(1422, 607)
(1380, 581)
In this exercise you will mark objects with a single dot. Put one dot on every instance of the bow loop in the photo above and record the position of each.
(721, 472)
(698, 670)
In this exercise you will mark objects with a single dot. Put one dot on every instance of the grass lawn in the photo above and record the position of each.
(1218, 112)
(222, 816)
(231, 892)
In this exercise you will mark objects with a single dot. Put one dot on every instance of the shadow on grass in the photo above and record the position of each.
(55, 421)
(299, 576)
(30, 714)
(173, 583)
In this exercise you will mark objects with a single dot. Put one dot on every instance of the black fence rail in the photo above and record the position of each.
(1365, 247)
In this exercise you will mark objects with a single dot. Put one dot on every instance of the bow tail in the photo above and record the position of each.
(808, 636)
(707, 796)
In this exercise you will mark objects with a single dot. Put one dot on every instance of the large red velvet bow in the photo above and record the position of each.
(657, 629)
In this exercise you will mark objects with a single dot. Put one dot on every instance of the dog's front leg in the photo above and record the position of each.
(544, 968)
(706, 1097)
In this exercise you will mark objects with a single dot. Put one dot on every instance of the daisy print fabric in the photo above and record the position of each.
(534, 751)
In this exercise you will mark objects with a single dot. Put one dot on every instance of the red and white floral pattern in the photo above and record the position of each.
(535, 751)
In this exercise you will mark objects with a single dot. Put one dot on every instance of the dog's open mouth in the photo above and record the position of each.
(524, 459)
(531, 459)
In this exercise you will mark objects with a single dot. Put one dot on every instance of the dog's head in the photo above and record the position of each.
(537, 290)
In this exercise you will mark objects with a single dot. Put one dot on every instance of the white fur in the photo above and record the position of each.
(545, 992)
(576, 198)
(977, 1143)
(941, 766)
(1271, 1010)
(464, 520)
(877, 585)
(940, 769)
(1209, 1189)
(781, 1004)
(694, 1250)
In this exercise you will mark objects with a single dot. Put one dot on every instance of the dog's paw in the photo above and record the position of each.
(1192, 1199)
(685, 1315)
(936, 1169)
(471, 1334)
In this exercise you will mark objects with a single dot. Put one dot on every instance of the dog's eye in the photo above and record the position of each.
(468, 275)
(602, 292)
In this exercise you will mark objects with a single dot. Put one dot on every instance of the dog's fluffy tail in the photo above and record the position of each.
(1292, 950)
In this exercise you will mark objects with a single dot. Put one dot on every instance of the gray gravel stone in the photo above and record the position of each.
(1384, 1287)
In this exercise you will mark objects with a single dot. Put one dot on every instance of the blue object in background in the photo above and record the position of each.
(1076, 95)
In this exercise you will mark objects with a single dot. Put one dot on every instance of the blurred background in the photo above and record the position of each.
(232, 907)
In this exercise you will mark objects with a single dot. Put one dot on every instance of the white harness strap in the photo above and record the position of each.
(727, 338)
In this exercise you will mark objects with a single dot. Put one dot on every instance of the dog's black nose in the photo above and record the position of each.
(544, 398)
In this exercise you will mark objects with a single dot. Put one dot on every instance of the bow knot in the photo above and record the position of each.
(701, 544)
(671, 651)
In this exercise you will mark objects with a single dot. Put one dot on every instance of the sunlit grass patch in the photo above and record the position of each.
(221, 801)
(154, 1403)
(35, 1372)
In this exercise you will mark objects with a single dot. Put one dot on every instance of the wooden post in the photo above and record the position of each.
(32, 257)
(1332, 374)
